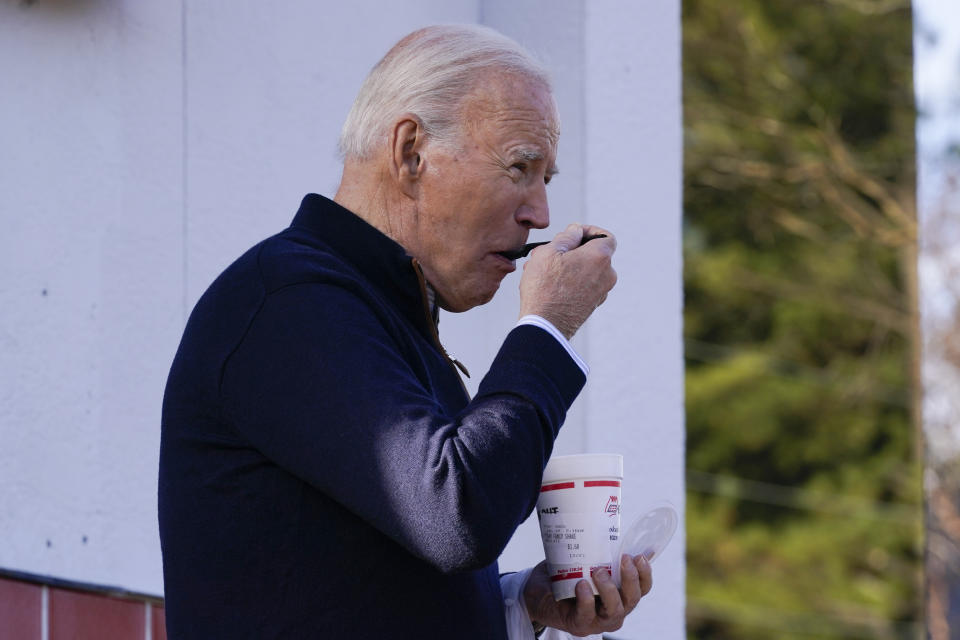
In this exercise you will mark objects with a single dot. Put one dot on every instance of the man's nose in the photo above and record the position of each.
(534, 213)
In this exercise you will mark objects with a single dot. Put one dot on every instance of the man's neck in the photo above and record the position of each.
(363, 192)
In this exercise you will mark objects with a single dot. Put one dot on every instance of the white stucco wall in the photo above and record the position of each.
(616, 68)
(91, 274)
(144, 145)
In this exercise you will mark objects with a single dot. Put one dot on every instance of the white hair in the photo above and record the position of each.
(428, 74)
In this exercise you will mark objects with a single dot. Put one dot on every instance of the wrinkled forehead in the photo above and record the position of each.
(507, 102)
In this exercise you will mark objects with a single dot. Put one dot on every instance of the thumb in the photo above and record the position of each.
(569, 238)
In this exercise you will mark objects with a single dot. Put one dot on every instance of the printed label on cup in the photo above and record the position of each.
(572, 538)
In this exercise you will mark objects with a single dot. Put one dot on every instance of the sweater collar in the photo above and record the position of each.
(371, 252)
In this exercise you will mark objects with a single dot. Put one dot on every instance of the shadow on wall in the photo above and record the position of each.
(58, 7)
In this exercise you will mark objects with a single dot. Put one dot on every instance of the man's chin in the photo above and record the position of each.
(464, 301)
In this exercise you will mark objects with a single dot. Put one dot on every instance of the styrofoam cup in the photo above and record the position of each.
(579, 512)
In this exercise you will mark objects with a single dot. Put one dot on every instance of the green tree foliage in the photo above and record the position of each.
(804, 510)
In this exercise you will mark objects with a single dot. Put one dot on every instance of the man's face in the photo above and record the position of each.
(484, 197)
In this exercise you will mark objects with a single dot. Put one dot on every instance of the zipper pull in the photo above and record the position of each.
(459, 365)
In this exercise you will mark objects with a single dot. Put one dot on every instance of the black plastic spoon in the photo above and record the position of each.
(527, 248)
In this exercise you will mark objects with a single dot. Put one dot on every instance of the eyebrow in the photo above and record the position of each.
(533, 155)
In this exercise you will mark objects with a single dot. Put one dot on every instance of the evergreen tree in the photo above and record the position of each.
(804, 505)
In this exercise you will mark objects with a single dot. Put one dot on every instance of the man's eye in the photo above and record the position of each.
(547, 178)
(521, 166)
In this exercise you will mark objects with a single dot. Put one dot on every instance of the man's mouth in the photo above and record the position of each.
(508, 257)
(514, 254)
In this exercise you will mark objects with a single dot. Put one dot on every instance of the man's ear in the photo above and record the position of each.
(407, 142)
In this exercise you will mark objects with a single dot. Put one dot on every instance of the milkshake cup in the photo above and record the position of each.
(579, 512)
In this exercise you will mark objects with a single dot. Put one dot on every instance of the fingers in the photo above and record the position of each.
(594, 230)
(606, 244)
(607, 611)
(598, 252)
(564, 281)
(572, 238)
(610, 608)
(586, 611)
(568, 239)
(646, 574)
(636, 579)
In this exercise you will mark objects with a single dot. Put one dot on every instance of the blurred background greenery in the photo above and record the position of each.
(805, 502)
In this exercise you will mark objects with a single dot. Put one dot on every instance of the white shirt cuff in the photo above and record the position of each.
(547, 326)
(519, 626)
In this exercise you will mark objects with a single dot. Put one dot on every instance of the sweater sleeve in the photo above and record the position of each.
(320, 385)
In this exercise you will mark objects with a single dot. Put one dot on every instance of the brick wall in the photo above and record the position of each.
(36, 611)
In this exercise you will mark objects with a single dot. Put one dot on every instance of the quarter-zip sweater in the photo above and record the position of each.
(323, 472)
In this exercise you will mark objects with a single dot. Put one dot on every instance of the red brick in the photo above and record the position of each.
(20, 609)
(159, 623)
(86, 616)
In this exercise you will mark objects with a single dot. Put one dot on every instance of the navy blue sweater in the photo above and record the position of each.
(323, 473)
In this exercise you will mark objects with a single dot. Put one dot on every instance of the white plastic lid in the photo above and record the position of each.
(584, 465)
(648, 535)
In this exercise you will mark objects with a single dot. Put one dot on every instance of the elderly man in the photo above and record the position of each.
(323, 472)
